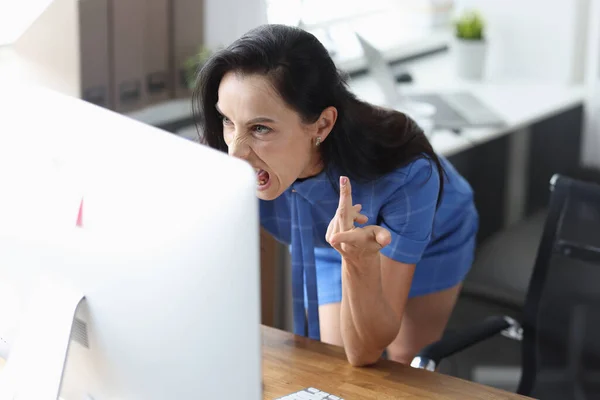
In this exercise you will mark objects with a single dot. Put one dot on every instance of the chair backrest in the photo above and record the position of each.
(561, 317)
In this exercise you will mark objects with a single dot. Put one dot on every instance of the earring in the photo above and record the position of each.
(318, 141)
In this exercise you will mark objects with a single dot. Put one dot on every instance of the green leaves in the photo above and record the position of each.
(470, 26)
(192, 65)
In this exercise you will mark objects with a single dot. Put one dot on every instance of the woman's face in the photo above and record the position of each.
(259, 127)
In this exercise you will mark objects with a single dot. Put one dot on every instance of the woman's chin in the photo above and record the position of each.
(266, 196)
(266, 192)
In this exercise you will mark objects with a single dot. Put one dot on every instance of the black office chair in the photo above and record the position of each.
(560, 322)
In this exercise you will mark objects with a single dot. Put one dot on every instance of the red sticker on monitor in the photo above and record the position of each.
(79, 222)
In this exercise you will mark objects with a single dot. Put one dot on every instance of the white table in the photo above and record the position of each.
(520, 104)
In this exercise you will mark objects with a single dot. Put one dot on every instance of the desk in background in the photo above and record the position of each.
(292, 363)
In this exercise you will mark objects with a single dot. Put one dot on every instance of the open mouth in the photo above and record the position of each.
(262, 178)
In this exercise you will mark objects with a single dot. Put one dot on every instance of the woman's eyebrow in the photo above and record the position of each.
(257, 120)
(260, 120)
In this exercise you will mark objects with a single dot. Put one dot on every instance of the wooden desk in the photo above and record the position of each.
(292, 363)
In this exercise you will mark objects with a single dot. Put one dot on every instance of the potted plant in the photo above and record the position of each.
(193, 64)
(470, 45)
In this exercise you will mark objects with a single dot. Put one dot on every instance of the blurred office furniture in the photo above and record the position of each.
(543, 41)
(497, 284)
(127, 23)
(187, 28)
(560, 321)
(158, 49)
(95, 52)
(121, 55)
(505, 261)
(504, 264)
(133, 52)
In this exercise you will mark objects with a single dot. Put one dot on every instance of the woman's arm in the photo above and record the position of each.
(374, 295)
(374, 287)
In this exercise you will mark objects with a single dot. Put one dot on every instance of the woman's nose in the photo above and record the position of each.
(239, 148)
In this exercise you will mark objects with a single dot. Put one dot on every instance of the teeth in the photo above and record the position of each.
(260, 182)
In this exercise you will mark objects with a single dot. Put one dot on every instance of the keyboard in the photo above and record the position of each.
(458, 110)
(471, 108)
(310, 394)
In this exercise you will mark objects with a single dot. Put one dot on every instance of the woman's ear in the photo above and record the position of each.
(325, 123)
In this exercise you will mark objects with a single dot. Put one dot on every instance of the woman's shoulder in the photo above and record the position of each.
(417, 181)
(420, 172)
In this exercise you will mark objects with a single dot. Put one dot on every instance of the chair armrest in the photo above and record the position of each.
(453, 342)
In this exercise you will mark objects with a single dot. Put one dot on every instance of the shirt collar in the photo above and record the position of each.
(313, 188)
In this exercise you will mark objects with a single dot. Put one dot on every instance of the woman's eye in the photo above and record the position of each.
(226, 120)
(261, 129)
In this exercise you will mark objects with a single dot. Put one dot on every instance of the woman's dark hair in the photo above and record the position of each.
(366, 141)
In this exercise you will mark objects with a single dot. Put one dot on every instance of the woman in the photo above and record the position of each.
(384, 251)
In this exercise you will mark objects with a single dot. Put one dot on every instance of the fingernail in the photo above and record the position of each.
(343, 180)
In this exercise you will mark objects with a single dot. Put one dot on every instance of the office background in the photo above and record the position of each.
(529, 41)
(542, 73)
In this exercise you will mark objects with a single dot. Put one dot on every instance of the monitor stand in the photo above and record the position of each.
(37, 358)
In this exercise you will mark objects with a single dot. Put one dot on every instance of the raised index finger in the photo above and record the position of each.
(345, 196)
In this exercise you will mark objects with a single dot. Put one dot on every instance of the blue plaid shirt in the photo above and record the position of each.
(403, 202)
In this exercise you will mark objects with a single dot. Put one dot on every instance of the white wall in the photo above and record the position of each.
(591, 143)
(48, 52)
(227, 20)
(537, 40)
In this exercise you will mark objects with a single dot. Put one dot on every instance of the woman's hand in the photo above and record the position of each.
(353, 243)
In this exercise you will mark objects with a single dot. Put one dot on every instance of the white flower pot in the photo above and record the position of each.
(470, 58)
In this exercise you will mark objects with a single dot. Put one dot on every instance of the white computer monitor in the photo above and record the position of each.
(167, 256)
